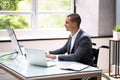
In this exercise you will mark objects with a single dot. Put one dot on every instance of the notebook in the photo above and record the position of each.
(38, 57)
(75, 67)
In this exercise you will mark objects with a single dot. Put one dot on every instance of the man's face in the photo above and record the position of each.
(68, 24)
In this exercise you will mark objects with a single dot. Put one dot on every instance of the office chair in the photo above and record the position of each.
(95, 54)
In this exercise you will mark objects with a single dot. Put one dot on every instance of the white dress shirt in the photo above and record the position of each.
(73, 39)
(72, 42)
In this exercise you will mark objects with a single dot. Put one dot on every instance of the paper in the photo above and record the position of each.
(75, 67)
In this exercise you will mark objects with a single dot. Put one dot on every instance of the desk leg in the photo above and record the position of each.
(117, 59)
(116, 62)
(96, 76)
(118, 56)
(109, 57)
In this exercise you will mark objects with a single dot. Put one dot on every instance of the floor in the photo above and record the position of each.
(5, 76)
(110, 77)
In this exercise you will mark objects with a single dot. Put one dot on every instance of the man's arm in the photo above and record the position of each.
(81, 49)
(52, 54)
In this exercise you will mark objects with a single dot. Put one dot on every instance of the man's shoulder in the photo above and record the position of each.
(83, 33)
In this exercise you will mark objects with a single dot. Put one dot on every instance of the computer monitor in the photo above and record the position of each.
(15, 44)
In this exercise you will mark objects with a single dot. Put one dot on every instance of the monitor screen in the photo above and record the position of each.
(15, 44)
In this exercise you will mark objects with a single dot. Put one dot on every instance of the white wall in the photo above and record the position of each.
(117, 12)
(89, 12)
(98, 16)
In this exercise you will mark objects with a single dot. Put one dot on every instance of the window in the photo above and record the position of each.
(43, 18)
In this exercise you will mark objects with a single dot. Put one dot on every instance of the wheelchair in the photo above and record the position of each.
(95, 55)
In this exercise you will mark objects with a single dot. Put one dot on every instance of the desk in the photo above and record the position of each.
(22, 70)
(114, 57)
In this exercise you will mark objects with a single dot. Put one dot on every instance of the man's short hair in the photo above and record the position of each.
(75, 18)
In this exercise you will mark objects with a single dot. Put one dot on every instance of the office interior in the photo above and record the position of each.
(100, 15)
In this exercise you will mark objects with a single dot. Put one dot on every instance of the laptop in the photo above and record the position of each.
(38, 57)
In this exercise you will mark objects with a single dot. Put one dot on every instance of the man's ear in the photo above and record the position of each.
(75, 24)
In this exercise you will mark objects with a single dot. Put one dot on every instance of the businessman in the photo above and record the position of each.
(78, 46)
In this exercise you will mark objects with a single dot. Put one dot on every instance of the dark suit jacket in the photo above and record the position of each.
(81, 51)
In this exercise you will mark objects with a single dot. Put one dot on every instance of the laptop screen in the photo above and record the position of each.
(15, 45)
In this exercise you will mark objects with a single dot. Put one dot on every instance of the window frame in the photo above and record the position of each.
(34, 33)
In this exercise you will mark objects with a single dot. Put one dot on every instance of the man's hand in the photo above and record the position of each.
(52, 56)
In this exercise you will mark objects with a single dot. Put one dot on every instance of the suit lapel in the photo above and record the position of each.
(69, 44)
(77, 39)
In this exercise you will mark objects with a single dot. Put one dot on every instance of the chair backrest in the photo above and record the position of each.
(95, 53)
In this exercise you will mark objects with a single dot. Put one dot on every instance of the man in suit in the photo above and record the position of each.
(78, 47)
